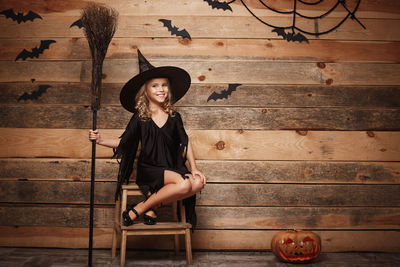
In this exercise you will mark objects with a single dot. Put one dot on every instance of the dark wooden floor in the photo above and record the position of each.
(32, 257)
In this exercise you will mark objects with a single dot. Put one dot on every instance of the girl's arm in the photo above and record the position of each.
(192, 162)
(95, 135)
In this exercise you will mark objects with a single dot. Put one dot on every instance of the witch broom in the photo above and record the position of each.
(100, 24)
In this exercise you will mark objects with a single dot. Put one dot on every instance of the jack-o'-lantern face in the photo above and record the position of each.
(296, 246)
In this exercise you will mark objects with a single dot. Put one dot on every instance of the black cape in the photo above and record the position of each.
(162, 148)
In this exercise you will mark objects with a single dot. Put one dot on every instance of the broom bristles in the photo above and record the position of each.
(100, 24)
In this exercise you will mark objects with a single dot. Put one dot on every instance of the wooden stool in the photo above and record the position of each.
(161, 228)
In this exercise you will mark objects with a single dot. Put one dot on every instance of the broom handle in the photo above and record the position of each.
(92, 190)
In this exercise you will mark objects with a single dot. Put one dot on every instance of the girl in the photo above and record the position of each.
(161, 173)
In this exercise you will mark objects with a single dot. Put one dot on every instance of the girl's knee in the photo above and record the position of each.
(197, 185)
(185, 186)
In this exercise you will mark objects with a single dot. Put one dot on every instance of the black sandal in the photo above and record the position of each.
(148, 219)
(127, 221)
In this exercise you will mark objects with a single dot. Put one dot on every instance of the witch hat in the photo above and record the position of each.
(179, 81)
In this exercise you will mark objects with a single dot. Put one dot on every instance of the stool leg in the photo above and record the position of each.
(114, 242)
(175, 214)
(124, 200)
(123, 248)
(188, 247)
(176, 244)
(115, 230)
(123, 234)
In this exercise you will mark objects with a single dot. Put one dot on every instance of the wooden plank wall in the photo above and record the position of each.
(309, 140)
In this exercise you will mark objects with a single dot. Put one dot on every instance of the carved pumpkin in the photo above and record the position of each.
(296, 246)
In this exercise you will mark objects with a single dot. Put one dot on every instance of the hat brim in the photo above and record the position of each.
(178, 78)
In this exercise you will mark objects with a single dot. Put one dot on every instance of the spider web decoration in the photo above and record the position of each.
(296, 33)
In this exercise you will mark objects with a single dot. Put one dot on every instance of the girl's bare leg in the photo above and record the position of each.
(152, 213)
(175, 188)
(196, 186)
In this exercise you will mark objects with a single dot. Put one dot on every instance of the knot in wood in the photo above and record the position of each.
(361, 177)
(302, 132)
(370, 134)
(184, 41)
(308, 172)
(220, 145)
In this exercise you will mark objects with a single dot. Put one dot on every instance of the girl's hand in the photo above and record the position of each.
(94, 135)
(198, 174)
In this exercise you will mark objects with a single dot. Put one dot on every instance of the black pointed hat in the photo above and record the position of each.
(178, 78)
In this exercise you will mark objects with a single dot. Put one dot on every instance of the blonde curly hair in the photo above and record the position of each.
(142, 103)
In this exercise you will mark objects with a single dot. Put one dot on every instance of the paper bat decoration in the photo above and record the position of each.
(77, 23)
(44, 44)
(224, 93)
(9, 13)
(35, 94)
(218, 5)
(290, 36)
(174, 30)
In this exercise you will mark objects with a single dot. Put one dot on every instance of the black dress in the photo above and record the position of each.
(162, 148)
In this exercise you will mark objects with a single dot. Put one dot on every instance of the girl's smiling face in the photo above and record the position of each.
(157, 90)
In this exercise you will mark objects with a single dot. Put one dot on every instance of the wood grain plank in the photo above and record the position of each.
(200, 27)
(58, 93)
(257, 95)
(58, 169)
(243, 72)
(214, 218)
(213, 49)
(54, 143)
(216, 171)
(208, 118)
(66, 215)
(334, 241)
(300, 172)
(295, 96)
(299, 195)
(288, 145)
(290, 118)
(24, 71)
(213, 194)
(367, 9)
(217, 144)
(61, 193)
(267, 218)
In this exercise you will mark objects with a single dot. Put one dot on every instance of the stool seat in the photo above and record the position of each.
(175, 227)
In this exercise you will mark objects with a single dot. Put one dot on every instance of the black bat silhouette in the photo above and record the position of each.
(77, 23)
(9, 13)
(35, 94)
(174, 29)
(44, 44)
(218, 5)
(290, 36)
(224, 93)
